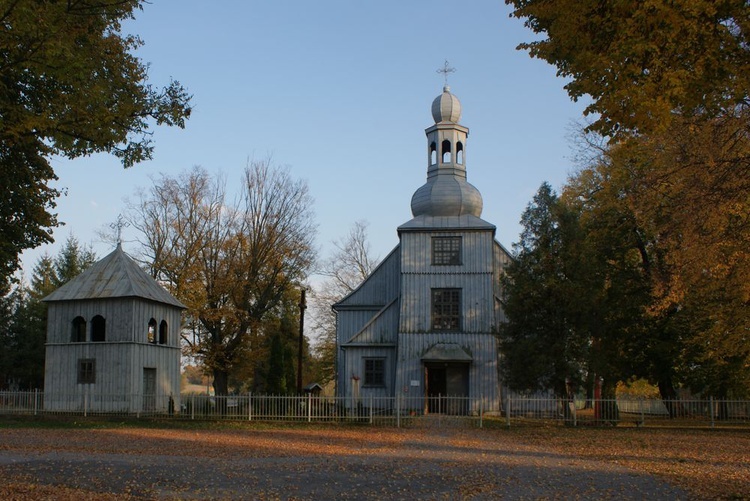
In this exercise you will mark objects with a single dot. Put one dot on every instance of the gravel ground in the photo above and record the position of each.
(305, 463)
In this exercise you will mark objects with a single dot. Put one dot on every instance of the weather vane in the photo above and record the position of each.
(446, 70)
(119, 225)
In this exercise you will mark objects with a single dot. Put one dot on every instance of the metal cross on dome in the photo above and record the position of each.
(446, 70)
(119, 225)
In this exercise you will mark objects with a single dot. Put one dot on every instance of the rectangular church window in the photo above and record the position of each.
(446, 251)
(374, 372)
(86, 371)
(446, 309)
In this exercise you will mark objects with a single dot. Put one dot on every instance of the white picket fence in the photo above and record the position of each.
(397, 411)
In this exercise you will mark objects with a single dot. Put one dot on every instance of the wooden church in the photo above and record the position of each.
(113, 342)
(423, 324)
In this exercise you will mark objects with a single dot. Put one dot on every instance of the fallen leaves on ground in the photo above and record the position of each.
(354, 462)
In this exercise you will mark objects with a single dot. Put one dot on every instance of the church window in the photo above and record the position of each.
(446, 251)
(446, 147)
(78, 330)
(433, 153)
(446, 309)
(152, 331)
(98, 329)
(163, 332)
(459, 152)
(374, 372)
(86, 371)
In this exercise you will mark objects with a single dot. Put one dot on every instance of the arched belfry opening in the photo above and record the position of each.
(163, 330)
(98, 329)
(78, 330)
(445, 151)
(152, 331)
(459, 152)
(433, 153)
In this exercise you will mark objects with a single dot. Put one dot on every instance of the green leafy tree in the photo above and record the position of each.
(541, 344)
(70, 262)
(6, 318)
(26, 333)
(70, 85)
(270, 366)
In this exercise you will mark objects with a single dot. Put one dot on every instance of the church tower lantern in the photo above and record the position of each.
(446, 193)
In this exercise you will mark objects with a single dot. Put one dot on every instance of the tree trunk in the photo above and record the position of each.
(221, 390)
(610, 412)
(589, 390)
(221, 383)
(669, 396)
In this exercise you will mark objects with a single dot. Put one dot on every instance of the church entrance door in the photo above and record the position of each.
(447, 388)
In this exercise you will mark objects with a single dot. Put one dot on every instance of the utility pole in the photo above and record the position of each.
(302, 308)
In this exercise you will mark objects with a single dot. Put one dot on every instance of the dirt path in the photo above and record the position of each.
(314, 463)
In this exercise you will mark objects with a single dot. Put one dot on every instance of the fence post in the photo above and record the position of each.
(309, 407)
(440, 411)
(507, 409)
(370, 408)
(250, 406)
(481, 401)
(711, 406)
(643, 415)
(192, 406)
(36, 399)
(398, 411)
(575, 413)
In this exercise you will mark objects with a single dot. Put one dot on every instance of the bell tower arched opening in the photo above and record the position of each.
(446, 151)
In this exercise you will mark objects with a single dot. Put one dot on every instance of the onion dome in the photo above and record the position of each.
(446, 107)
(446, 195)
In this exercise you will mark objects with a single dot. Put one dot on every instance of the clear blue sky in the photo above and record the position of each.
(339, 91)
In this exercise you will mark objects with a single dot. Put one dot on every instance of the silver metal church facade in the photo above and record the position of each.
(424, 323)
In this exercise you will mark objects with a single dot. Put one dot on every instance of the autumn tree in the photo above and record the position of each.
(689, 190)
(669, 85)
(625, 267)
(344, 270)
(230, 263)
(70, 86)
(643, 63)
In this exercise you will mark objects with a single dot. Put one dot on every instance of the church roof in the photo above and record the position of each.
(114, 276)
(447, 196)
(465, 222)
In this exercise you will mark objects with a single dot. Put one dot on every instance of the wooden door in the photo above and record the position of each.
(149, 389)
(436, 387)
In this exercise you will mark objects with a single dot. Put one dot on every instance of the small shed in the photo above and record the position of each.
(113, 341)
